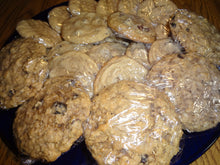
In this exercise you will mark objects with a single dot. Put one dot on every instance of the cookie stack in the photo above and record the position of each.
(127, 75)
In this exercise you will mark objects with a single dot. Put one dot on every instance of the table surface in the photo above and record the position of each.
(12, 11)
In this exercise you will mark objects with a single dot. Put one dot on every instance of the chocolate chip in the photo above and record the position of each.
(144, 158)
(180, 56)
(173, 18)
(173, 24)
(142, 28)
(59, 108)
(187, 29)
(11, 92)
(183, 50)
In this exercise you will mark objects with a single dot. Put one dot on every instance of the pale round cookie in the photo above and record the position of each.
(138, 52)
(38, 30)
(65, 46)
(24, 69)
(77, 65)
(132, 123)
(57, 16)
(85, 28)
(50, 123)
(107, 7)
(161, 48)
(132, 27)
(193, 85)
(196, 34)
(129, 6)
(105, 51)
(77, 7)
(118, 69)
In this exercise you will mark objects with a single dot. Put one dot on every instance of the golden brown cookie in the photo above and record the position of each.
(85, 28)
(38, 30)
(129, 6)
(105, 51)
(65, 46)
(77, 7)
(77, 65)
(196, 34)
(107, 7)
(138, 52)
(50, 123)
(161, 48)
(193, 84)
(117, 69)
(24, 69)
(158, 11)
(132, 123)
(132, 27)
(57, 16)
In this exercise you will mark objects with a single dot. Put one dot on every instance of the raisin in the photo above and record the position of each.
(142, 28)
(187, 29)
(59, 108)
(11, 92)
(173, 24)
(180, 56)
(144, 158)
(183, 50)
(173, 18)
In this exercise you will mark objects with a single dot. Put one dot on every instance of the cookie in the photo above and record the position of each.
(138, 52)
(162, 31)
(85, 28)
(77, 65)
(129, 6)
(24, 69)
(107, 7)
(161, 48)
(192, 84)
(77, 7)
(132, 123)
(50, 123)
(145, 8)
(39, 30)
(118, 69)
(132, 27)
(105, 51)
(57, 16)
(65, 46)
(158, 11)
(196, 34)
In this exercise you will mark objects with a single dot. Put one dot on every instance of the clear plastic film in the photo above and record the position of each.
(78, 65)
(23, 71)
(192, 84)
(132, 123)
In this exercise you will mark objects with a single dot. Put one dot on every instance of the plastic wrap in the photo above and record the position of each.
(132, 123)
(24, 69)
(49, 123)
(40, 31)
(117, 69)
(78, 65)
(192, 84)
(57, 16)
